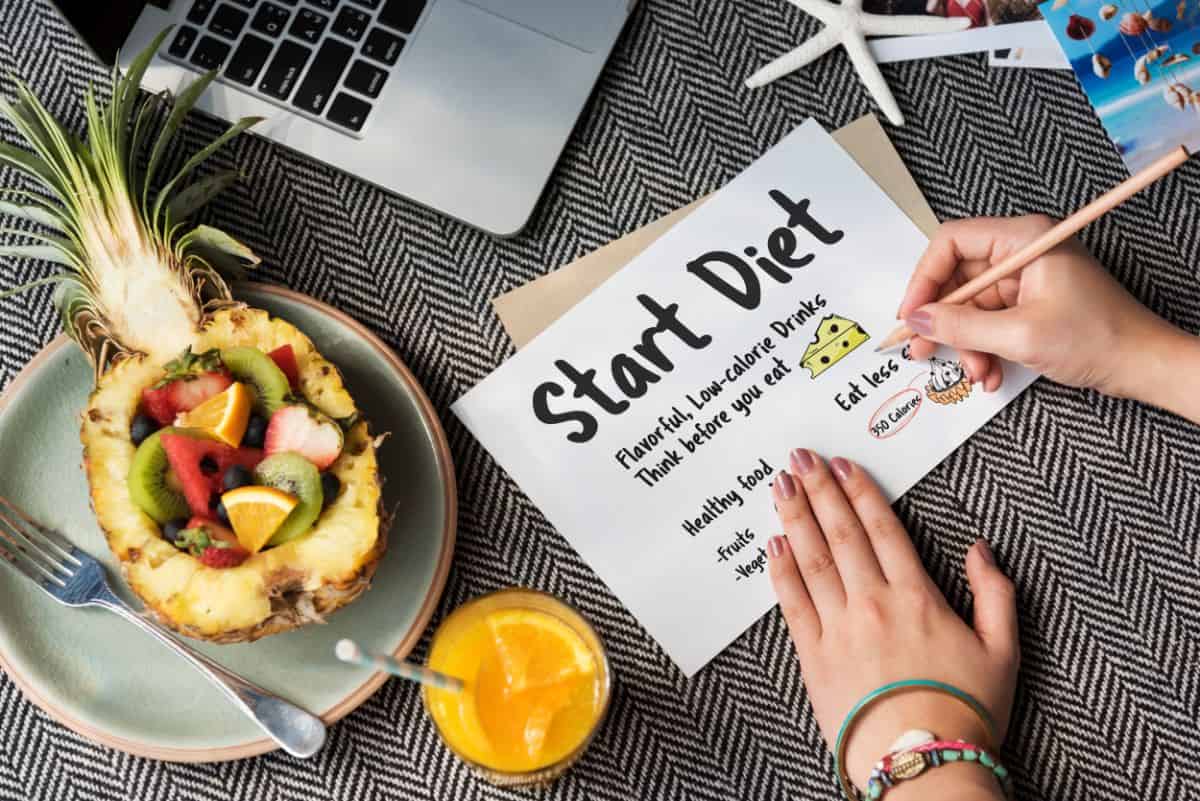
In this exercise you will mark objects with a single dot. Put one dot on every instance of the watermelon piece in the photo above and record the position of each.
(285, 359)
(199, 464)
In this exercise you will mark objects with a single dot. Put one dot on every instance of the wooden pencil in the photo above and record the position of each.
(1056, 235)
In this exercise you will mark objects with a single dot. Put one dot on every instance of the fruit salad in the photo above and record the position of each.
(229, 455)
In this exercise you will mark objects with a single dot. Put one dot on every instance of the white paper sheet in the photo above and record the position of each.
(682, 543)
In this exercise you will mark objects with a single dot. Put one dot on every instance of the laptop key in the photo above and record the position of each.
(401, 14)
(284, 69)
(382, 46)
(246, 3)
(210, 53)
(228, 21)
(366, 79)
(328, 5)
(270, 19)
(349, 112)
(351, 23)
(323, 76)
(309, 25)
(182, 43)
(248, 60)
(200, 11)
(368, 3)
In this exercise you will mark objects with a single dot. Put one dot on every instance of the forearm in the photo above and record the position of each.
(1164, 371)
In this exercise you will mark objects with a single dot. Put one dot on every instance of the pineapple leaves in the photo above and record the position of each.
(57, 278)
(219, 250)
(126, 91)
(200, 192)
(183, 104)
(198, 159)
(39, 210)
(39, 252)
(31, 165)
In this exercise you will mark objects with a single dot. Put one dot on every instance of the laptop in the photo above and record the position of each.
(460, 105)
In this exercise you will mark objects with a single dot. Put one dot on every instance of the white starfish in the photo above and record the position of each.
(848, 25)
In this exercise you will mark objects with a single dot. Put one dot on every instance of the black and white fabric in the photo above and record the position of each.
(1092, 504)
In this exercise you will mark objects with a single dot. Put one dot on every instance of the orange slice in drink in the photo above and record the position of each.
(256, 513)
(537, 649)
(225, 415)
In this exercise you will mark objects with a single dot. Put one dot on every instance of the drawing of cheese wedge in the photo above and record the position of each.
(836, 336)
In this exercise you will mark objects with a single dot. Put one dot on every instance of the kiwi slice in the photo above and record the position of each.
(148, 486)
(296, 476)
(252, 366)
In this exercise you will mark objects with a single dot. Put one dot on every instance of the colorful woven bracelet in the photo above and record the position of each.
(839, 748)
(912, 762)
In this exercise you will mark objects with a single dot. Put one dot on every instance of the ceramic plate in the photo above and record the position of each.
(106, 680)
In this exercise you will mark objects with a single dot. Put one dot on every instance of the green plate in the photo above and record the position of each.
(106, 680)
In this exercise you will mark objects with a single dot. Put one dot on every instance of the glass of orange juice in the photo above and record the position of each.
(537, 686)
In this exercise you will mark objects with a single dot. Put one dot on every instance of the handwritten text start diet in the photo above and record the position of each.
(727, 273)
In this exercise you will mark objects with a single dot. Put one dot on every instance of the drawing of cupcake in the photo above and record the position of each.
(947, 382)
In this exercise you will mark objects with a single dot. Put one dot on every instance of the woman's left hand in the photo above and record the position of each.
(863, 612)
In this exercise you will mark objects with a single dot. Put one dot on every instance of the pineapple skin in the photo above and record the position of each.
(274, 591)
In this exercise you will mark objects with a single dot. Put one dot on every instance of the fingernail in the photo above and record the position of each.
(921, 322)
(841, 468)
(802, 460)
(775, 547)
(786, 486)
(985, 551)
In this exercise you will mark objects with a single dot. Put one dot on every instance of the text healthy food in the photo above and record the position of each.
(232, 474)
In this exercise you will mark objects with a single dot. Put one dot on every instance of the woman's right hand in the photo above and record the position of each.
(1063, 315)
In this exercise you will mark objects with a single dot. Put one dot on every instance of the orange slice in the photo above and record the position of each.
(537, 649)
(256, 513)
(225, 416)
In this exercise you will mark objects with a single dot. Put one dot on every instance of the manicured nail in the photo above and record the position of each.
(921, 322)
(985, 551)
(786, 486)
(802, 460)
(841, 468)
(775, 547)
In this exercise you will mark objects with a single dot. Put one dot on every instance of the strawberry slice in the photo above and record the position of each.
(215, 545)
(165, 402)
(199, 464)
(285, 359)
(305, 431)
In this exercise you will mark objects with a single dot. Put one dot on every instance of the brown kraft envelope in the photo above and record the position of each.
(527, 310)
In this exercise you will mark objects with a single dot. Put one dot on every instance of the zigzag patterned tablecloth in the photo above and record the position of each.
(1092, 503)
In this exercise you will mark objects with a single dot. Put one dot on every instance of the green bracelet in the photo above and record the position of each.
(839, 756)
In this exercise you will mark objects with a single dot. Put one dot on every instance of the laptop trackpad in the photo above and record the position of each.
(586, 24)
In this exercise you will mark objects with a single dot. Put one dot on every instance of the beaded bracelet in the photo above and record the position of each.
(912, 762)
(839, 749)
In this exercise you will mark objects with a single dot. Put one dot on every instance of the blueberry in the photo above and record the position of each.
(222, 514)
(208, 466)
(236, 476)
(256, 433)
(330, 487)
(171, 529)
(142, 428)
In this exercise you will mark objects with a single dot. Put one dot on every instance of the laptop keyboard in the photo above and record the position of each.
(326, 59)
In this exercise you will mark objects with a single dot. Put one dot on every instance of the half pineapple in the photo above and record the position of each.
(146, 298)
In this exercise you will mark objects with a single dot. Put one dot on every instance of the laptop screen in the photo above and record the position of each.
(104, 26)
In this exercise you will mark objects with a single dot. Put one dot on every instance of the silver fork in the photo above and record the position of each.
(72, 577)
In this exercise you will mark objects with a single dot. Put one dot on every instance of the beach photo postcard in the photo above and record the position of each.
(1139, 63)
(994, 23)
